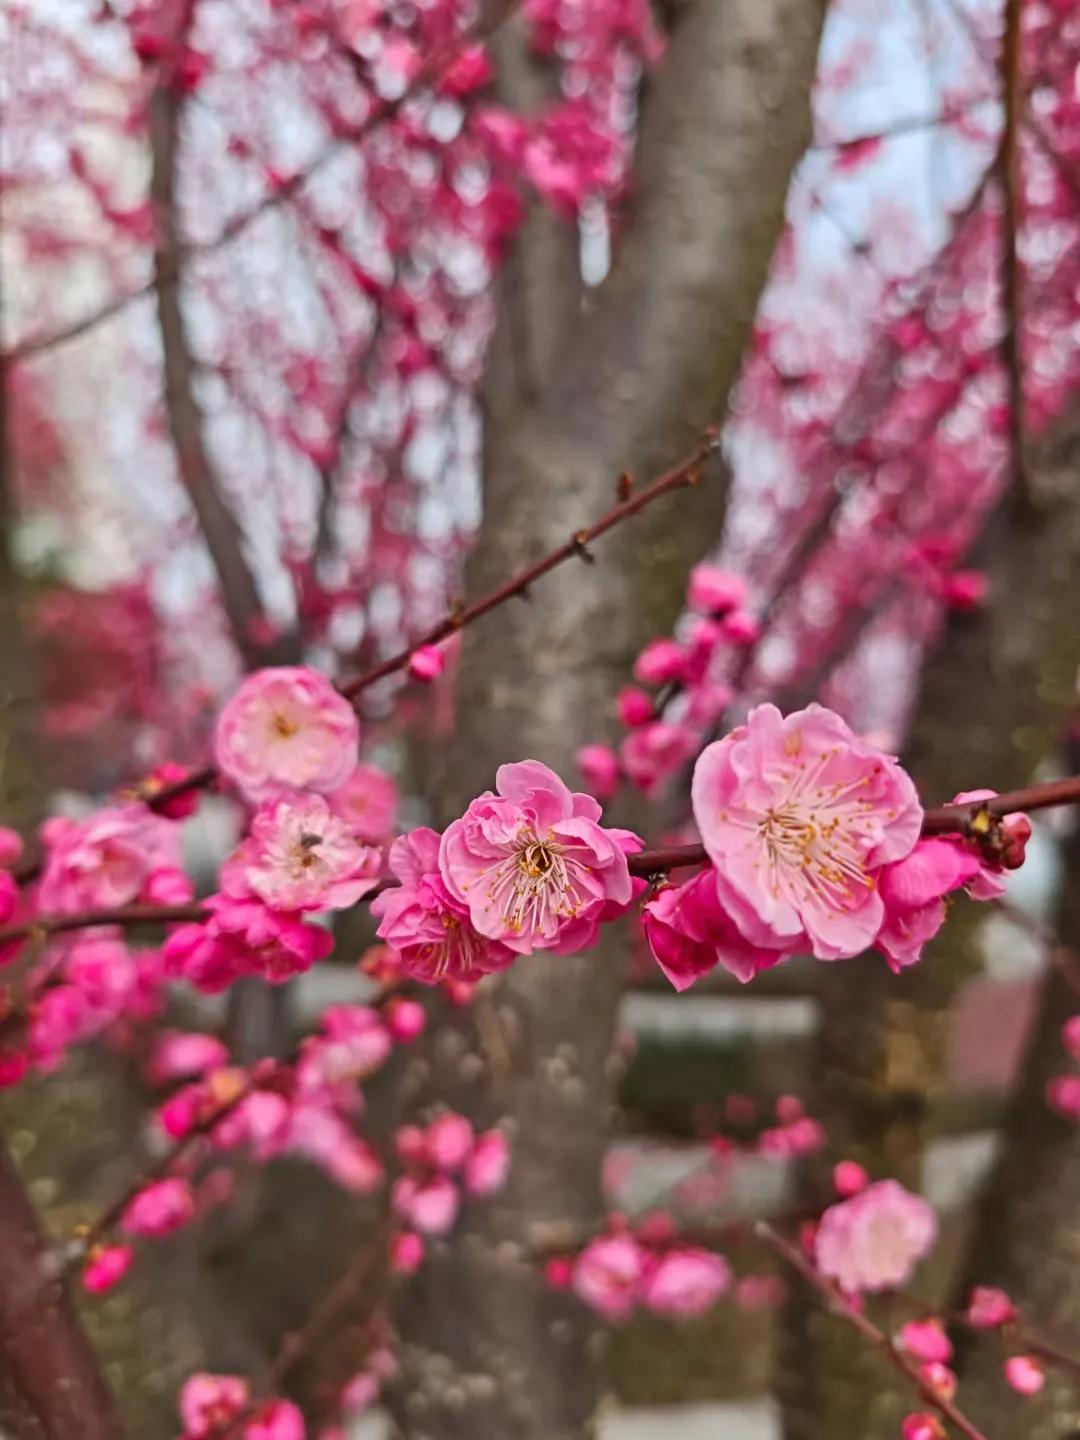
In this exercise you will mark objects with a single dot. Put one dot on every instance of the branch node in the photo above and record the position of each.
(581, 547)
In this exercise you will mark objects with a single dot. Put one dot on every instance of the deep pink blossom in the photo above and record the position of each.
(874, 1240)
(448, 1141)
(9, 896)
(160, 1208)
(912, 891)
(165, 776)
(654, 752)
(849, 1178)
(428, 926)
(713, 591)
(926, 1340)
(209, 1401)
(965, 590)
(1070, 1036)
(598, 766)
(634, 706)
(608, 1275)
(427, 663)
(690, 934)
(660, 662)
(799, 815)
(989, 1308)
(177, 1055)
(741, 628)
(405, 1019)
(1063, 1095)
(687, 1281)
(106, 1267)
(921, 1426)
(105, 861)
(406, 1253)
(1025, 1374)
(243, 937)
(533, 865)
(276, 1420)
(286, 728)
(11, 845)
(299, 856)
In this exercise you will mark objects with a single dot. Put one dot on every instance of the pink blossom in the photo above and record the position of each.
(653, 752)
(160, 1208)
(448, 1141)
(367, 803)
(965, 590)
(430, 1206)
(925, 1340)
(427, 925)
(243, 937)
(799, 815)
(11, 845)
(990, 883)
(921, 1426)
(1025, 1374)
(487, 1164)
(299, 856)
(741, 628)
(427, 663)
(686, 1282)
(106, 1267)
(1063, 1095)
(179, 1054)
(9, 896)
(690, 933)
(168, 886)
(1070, 1036)
(533, 865)
(635, 707)
(406, 1253)
(849, 1178)
(276, 1420)
(874, 1240)
(713, 591)
(608, 1275)
(105, 861)
(599, 769)
(209, 1401)
(660, 662)
(939, 1378)
(406, 1019)
(989, 1308)
(912, 891)
(286, 728)
(166, 775)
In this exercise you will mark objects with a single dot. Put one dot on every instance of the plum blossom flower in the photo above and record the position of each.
(487, 1164)
(179, 1054)
(276, 1420)
(599, 767)
(921, 1426)
(913, 892)
(661, 662)
(243, 937)
(652, 752)
(714, 591)
(160, 1208)
(989, 1308)
(874, 1240)
(9, 896)
(1025, 1374)
(299, 856)
(286, 728)
(799, 816)
(209, 1401)
(106, 1267)
(686, 1281)
(366, 803)
(533, 865)
(430, 1206)
(104, 861)
(690, 933)
(11, 845)
(849, 1178)
(608, 1275)
(426, 924)
(926, 1340)
(427, 663)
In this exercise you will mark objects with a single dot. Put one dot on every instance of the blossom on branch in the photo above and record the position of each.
(104, 861)
(299, 856)
(874, 1240)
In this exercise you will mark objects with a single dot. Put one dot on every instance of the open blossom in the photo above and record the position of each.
(874, 1240)
(209, 1401)
(427, 925)
(1025, 1374)
(300, 856)
(533, 865)
(105, 861)
(366, 803)
(799, 815)
(160, 1208)
(686, 1281)
(690, 933)
(608, 1275)
(243, 937)
(286, 728)
(913, 893)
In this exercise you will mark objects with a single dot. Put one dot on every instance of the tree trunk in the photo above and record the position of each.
(487, 1348)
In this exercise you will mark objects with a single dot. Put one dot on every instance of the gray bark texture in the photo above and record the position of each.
(629, 386)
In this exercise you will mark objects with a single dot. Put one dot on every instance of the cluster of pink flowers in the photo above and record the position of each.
(874, 1239)
(120, 855)
(213, 1405)
(813, 838)
(441, 1164)
(626, 1270)
(686, 695)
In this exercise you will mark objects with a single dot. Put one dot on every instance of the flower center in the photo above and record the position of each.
(282, 726)
(536, 885)
(536, 860)
(304, 851)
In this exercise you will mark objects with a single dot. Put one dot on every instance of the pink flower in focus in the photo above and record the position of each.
(286, 728)
(608, 1275)
(1025, 1374)
(989, 1308)
(686, 1282)
(300, 856)
(660, 662)
(105, 861)
(209, 1401)
(913, 890)
(427, 925)
(690, 933)
(599, 769)
(160, 1208)
(874, 1240)
(367, 803)
(427, 663)
(849, 1178)
(799, 815)
(488, 1164)
(925, 1340)
(106, 1267)
(713, 591)
(533, 865)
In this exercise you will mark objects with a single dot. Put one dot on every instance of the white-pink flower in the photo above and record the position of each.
(608, 1275)
(105, 861)
(286, 728)
(533, 865)
(874, 1240)
(798, 816)
(300, 856)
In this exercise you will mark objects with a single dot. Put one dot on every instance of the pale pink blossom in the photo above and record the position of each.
(799, 816)
(367, 803)
(925, 1340)
(487, 1164)
(106, 1267)
(533, 864)
(685, 1282)
(608, 1275)
(690, 934)
(427, 663)
(299, 856)
(286, 728)
(426, 924)
(430, 1206)
(1025, 1374)
(598, 766)
(160, 1208)
(989, 1308)
(661, 662)
(713, 591)
(874, 1240)
(104, 861)
(209, 1401)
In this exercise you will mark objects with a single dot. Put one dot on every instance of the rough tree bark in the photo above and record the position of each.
(487, 1349)
(992, 702)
